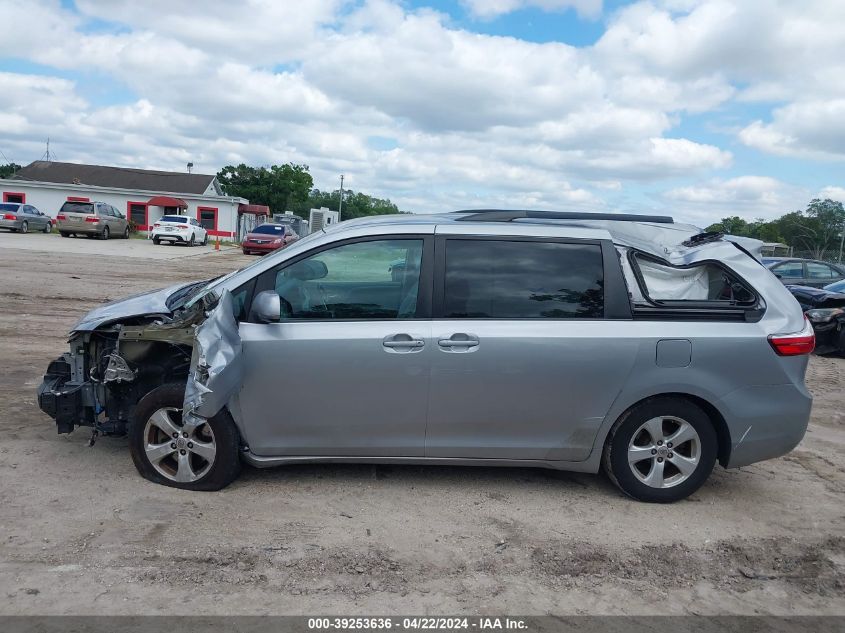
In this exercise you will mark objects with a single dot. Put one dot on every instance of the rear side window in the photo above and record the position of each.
(78, 207)
(498, 279)
(819, 271)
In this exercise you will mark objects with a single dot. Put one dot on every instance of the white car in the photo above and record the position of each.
(179, 228)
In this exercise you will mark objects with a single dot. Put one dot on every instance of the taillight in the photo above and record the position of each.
(156, 225)
(61, 216)
(92, 218)
(796, 344)
(10, 216)
(182, 226)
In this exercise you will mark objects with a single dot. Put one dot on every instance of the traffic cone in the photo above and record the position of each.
(217, 244)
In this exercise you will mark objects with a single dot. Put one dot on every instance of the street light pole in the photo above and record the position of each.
(340, 206)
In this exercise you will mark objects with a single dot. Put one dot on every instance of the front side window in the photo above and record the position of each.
(353, 281)
(493, 279)
(789, 270)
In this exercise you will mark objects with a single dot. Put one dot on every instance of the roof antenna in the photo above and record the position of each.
(190, 167)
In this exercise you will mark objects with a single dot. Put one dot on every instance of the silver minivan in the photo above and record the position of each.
(572, 341)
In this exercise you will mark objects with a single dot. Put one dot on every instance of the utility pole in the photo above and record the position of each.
(340, 206)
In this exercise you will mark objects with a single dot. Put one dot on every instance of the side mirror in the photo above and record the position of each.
(267, 307)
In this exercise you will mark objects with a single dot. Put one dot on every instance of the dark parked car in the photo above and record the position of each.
(22, 218)
(837, 286)
(826, 311)
(804, 272)
(267, 238)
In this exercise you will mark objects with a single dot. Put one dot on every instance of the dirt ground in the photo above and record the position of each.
(82, 533)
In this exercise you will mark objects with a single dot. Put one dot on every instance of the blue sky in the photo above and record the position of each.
(662, 105)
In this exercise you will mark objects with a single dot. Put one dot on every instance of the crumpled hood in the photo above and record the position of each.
(153, 302)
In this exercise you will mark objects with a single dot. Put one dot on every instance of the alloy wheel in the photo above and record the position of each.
(664, 452)
(180, 452)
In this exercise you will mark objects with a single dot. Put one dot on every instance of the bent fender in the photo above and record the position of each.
(216, 371)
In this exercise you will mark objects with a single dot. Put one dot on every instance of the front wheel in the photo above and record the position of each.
(192, 240)
(661, 451)
(106, 233)
(205, 240)
(167, 451)
(126, 233)
(48, 228)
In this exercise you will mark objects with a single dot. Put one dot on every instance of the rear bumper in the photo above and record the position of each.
(88, 228)
(172, 237)
(10, 224)
(765, 421)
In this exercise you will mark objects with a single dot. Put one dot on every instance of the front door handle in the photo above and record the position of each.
(402, 343)
(459, 341)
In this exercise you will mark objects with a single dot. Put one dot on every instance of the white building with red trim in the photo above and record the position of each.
(143, 195)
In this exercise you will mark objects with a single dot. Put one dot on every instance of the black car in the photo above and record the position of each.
(826, 312)
(804, 272)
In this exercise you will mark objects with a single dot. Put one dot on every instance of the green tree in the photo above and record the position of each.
(816, 229)
(280, 187)
(8, 169)
(355, 205)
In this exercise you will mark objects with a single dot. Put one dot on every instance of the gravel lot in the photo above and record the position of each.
(82, 533)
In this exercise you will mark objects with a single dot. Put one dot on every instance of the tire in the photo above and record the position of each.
(106, 233)
(156, 241)
(126, 233)
(657, 456)
(64, 233)
(24, 227)
(200, 473)
(205, 240)
(48, 228)
(192, 241)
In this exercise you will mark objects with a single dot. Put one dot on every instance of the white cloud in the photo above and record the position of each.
(813, 129)
(473, 119)
(750, 197)
(833, 193)
(486, 9)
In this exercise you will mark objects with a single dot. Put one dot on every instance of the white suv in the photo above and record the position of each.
(179, 228)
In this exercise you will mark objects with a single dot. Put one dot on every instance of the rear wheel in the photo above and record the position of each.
(106, 233)
(661, 451)
(24, 227)
(156, 241)
(167, 451)
(64, 233)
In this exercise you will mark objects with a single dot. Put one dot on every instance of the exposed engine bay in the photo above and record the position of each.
(99, 382)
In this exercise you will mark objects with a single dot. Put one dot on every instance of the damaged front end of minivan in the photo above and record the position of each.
(111, 366)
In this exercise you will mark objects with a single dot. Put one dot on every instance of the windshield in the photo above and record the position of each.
(185, 294)
(272, 229)
(839, 286)
(179, 219)
(216, 283)
(77, 207)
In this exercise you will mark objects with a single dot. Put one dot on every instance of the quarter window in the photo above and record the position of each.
(493, 279)
(354, 281)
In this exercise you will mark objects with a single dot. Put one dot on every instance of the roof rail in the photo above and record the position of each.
(502, 215)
